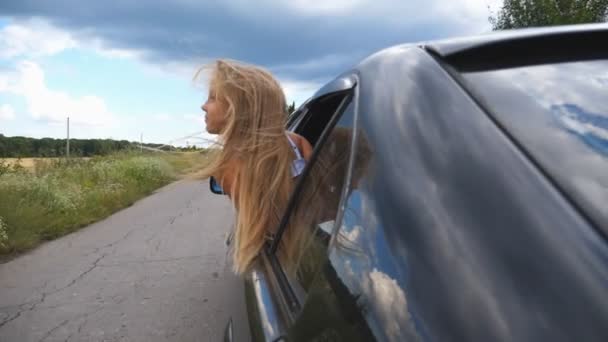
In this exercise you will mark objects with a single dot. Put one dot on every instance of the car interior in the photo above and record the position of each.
(316, 116)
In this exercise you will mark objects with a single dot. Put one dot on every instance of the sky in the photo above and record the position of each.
(124, 69)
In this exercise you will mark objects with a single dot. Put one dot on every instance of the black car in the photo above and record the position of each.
(465, 197)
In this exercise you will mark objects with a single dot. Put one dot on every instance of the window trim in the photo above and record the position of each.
(294, 118)
(298, 188)
(349, 171)
(526, 50)
(290, 299)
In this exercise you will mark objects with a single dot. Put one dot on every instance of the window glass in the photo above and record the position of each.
(559, 113)
(317, 115)
(303, 246)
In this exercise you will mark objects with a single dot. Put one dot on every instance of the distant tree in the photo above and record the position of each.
(3, 149)
(24, 147)
(291, 108)
(532, 13)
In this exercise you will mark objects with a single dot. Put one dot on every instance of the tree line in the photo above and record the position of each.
(24, 147)
(533, 13)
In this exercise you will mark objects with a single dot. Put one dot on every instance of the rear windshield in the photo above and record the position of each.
(559, 114)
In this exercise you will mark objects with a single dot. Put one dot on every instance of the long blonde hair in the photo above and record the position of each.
(254, 140)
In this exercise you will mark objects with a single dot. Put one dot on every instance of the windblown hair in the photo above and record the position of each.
(255, 147)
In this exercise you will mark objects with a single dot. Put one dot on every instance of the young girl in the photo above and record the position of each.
(259, 161)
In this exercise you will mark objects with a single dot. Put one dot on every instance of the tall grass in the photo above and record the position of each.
(60, 196)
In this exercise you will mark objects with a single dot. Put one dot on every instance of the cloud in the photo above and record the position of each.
(299, 91)
(583, 128)
(104, 49)
(272, 33)
(325, 8)
(578, 167)
(35, 39)
(7, 112)
(387, 300)
(53, 106)
(161, 117)
(353, 235)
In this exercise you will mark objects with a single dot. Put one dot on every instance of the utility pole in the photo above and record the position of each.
(67, 147)
(141, 143)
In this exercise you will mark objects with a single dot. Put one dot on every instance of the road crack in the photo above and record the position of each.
(111, 244)
(75, 280)
(44, 295)
(10, 319)
(50, 332)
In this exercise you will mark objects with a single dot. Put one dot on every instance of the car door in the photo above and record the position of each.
(276, 289)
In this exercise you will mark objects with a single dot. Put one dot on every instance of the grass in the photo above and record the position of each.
(55, 197)
(31, 163)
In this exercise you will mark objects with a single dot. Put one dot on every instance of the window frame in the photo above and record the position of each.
(294, 118)
(344, 104)
(290, 299)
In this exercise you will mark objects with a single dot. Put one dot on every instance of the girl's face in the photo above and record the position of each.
(215, 110)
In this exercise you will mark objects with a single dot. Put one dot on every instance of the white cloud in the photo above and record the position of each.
(349, 237)
(34, 38)
(7, 112)
(389, 10)
(583, 128)
(38, 38)
(4, 81)
(161, 117)
(105, 50)
(53, 106)
(390, 306)
(324, 7)
(299, 91)
(326, 61)
(472, 15)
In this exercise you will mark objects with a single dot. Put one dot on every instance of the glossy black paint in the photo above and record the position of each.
(448, 231)
(450, 47)
(339, 84)
(460, 237)
(559, 113)
(266, 308)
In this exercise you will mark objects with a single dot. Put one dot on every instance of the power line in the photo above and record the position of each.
(190, 136)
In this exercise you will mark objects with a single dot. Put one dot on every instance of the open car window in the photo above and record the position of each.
(309, 221)
(311, 120)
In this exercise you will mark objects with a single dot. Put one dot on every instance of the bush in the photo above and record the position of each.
(60, 196)
(3, 236)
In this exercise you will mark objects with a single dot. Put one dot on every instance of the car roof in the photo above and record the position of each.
(500, 49)
(448, 47)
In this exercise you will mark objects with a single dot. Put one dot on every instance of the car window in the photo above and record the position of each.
(559, 114)
(314, 118)
(331, 311)
(303, 247)
(293, 117)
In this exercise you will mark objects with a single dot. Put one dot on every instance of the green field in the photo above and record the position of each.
(55, 197)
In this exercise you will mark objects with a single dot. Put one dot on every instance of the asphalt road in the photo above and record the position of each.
(156, 271)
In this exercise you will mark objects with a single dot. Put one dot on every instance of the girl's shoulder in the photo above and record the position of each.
(302, 144)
